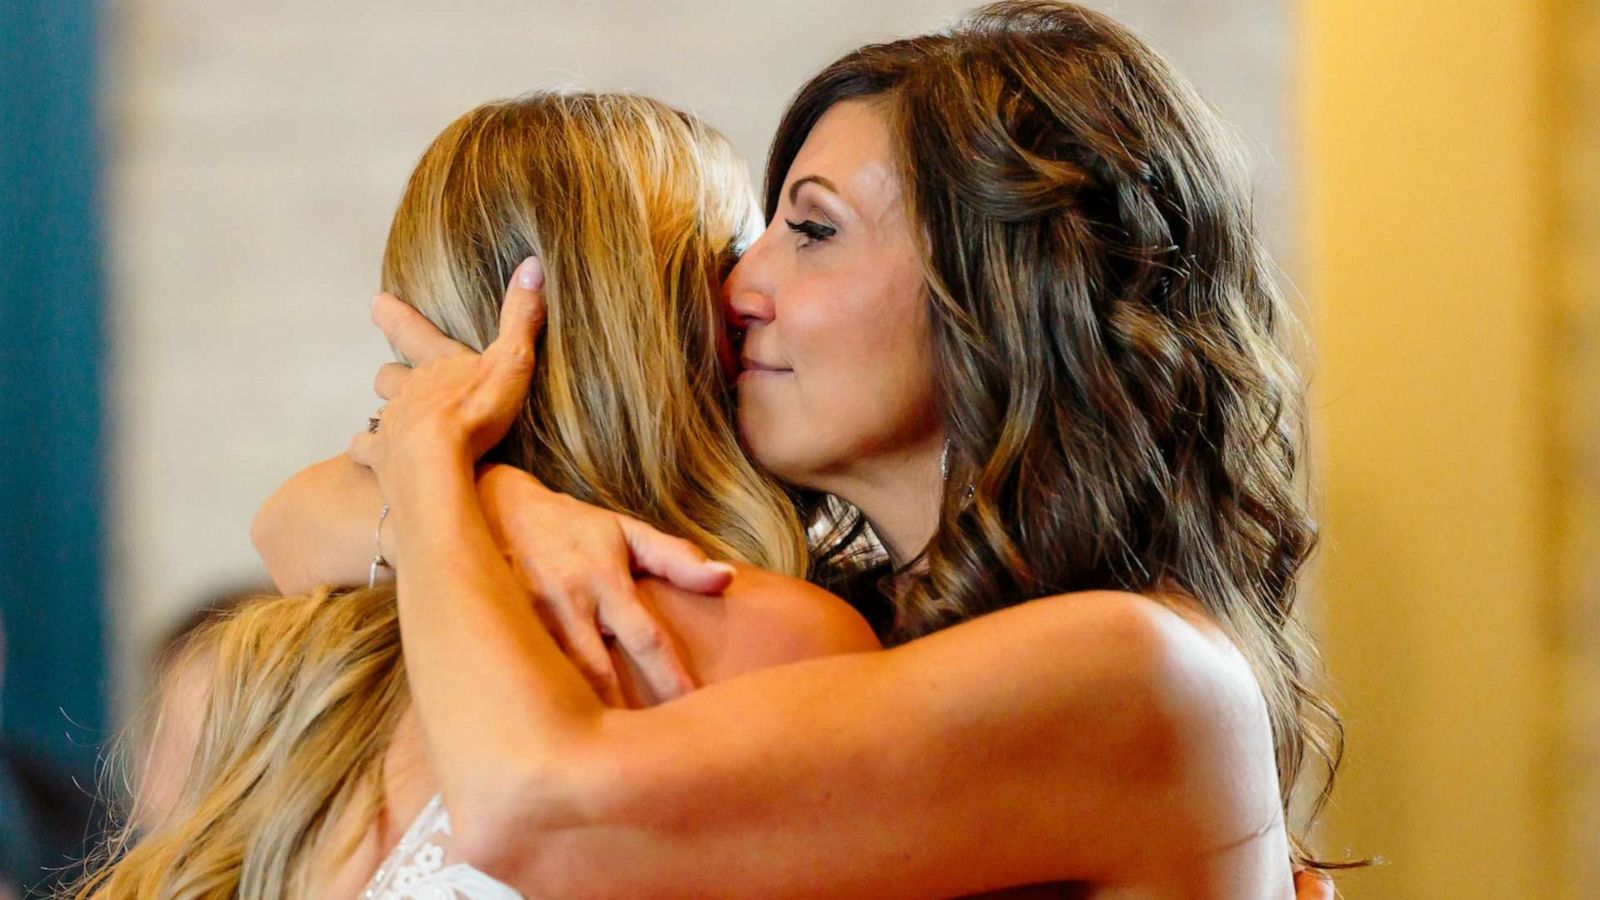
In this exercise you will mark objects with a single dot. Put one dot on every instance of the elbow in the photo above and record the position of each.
(538, 826)
(266, 533)
(490, 833)
(499, 824)
(261, 529)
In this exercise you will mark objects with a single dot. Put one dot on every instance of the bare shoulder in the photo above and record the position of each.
(1168, 646)
(1173, 702)
(763, 619)
(1192, 702)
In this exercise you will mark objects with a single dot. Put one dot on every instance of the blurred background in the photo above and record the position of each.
(194, 196)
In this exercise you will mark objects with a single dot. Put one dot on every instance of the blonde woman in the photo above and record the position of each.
(290, 763)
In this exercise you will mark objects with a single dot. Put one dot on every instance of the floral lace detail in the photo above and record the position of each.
(417, 868)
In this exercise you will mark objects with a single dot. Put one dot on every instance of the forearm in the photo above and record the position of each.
(784, 781)
(317, 528)
(499, 702)
(872, 774)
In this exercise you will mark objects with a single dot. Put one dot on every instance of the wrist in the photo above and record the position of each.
(424, 473)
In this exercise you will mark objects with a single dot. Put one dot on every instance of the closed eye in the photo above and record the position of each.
(811, 230)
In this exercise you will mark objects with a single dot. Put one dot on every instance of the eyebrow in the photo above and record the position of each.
(794, 189)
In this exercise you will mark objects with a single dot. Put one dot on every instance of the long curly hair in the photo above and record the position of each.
(1109, 340)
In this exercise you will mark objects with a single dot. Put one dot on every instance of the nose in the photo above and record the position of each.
(747, 292)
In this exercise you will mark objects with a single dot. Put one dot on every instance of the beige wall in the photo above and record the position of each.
(1432, 196)
(258, 149)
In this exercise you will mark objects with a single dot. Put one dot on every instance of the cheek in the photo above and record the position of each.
(845, 316)
(863, 362)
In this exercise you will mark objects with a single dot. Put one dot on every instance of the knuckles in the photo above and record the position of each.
(597, 672)
(643, 640)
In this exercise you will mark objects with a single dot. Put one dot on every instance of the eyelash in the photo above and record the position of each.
(812, 231)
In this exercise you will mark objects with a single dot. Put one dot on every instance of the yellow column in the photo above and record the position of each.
(1429, 169)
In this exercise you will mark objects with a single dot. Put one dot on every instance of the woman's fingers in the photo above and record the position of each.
(361, 449)
(391, 379)
(644, 641)
(674, 559)
(453, 395)
(509, 360)
(576, 629)
(522, 309)
(410, 333)
(580, 559)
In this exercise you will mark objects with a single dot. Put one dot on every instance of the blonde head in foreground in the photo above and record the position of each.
(636, 210)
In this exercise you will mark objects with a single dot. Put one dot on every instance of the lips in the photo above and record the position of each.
(746, 364)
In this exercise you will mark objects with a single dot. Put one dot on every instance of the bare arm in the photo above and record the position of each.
(317, 528)
(1057, 740)
(1098, 737)
(761, 620)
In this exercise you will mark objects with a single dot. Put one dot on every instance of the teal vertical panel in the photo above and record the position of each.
(51, 349)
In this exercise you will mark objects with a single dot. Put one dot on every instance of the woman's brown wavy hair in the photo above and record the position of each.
(1108, 337)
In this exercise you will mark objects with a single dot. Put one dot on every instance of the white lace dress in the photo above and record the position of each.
(420, 867)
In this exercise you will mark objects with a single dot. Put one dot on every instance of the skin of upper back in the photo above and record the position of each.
(763, 619)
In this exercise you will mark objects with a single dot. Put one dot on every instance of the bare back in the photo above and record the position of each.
(762, 620)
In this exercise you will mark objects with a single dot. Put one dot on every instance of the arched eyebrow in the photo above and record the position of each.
(794, 189)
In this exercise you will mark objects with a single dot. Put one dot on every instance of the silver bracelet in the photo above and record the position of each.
(378, 562)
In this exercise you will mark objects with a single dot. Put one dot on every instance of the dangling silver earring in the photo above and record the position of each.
(944, 472)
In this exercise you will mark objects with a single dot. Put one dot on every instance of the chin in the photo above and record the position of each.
(774, 448)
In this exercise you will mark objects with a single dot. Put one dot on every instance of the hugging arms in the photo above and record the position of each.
(973, 319)
(1009, 341)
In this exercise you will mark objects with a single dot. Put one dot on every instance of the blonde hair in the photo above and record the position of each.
(632, 219)
(633, 207)
(304, 696)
